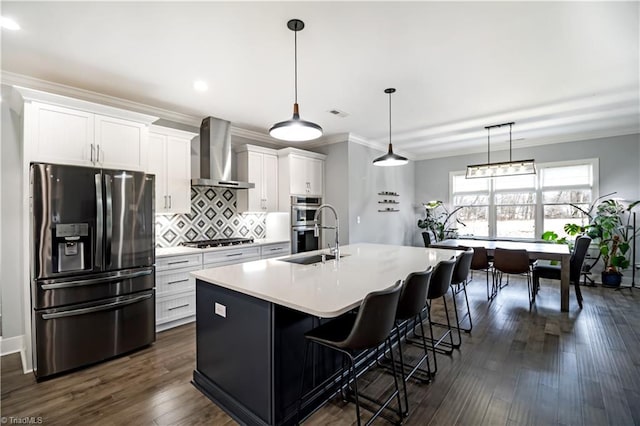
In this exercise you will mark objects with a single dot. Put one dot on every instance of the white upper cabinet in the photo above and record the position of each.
(301, 173)
(61, 135)
(63, 130)
(120, 143)
(170, 161)
(259, 166)
(306, 175)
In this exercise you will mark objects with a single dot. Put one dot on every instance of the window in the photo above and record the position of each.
(525, 206)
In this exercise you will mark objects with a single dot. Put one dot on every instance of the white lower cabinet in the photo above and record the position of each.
(176, 290)
(275, 250)
(212, 259)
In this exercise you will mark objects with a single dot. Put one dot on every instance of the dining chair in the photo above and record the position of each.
(507, 261)
(481, 262)
(553, 272)
(350, 333)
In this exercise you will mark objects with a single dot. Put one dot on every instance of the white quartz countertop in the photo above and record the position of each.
(325, 289)
(176, 251)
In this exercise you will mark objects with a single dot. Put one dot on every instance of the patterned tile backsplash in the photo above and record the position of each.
(213, 215)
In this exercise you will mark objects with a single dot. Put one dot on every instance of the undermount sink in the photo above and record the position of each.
(308, 260)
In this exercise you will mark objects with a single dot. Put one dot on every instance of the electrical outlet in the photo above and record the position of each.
(220, 310)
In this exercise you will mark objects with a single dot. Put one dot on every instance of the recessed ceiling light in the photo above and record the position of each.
(200, 85)
(9, 23)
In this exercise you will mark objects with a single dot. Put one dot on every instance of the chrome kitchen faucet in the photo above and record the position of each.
(316, 229)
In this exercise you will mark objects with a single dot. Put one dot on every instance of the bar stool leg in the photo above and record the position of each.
(433, 342)
(424, 345)
(352, 368)
(466, 298)
(395, 381)
(405, 413)
(304, 366)
(455, 311)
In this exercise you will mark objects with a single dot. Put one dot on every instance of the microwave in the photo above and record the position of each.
(303, 210)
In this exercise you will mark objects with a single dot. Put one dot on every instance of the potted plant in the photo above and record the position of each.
(611, 227)
(439, 221)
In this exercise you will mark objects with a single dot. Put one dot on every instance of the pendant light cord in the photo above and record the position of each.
(295, 64)
(488, 145)
(510, 126)
(389, 119)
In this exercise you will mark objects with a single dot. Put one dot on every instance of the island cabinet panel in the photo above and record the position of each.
(233, 350)
(249, 357)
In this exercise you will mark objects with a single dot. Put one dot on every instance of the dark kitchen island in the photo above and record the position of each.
(251, 319)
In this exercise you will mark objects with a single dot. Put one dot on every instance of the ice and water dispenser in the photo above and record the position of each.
(72, 247)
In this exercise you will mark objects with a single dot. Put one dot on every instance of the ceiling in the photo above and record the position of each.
(562, 71)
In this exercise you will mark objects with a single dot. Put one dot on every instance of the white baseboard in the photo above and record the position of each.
(11, 345)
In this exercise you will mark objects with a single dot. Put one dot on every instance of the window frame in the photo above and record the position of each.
(538, 190)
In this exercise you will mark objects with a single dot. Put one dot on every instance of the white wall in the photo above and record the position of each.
(365, 182)
(336, 188)
(11, 219)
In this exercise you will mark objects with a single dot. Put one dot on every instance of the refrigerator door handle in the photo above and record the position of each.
(80, 283)
(99, 221)
(83, 311)
(109, 219)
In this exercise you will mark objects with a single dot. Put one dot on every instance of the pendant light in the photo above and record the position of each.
(505, 168)
(390, 159)
(295, 129)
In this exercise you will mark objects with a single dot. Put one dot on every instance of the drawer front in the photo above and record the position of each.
(175, 307)
(229, 257)
(275, 250)
(174, 283)
(179, 262)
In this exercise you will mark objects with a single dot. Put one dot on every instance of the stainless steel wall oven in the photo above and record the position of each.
(303, 210)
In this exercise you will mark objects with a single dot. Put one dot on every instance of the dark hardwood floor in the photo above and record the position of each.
(517, 367)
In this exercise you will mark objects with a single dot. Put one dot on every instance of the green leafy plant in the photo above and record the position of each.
(439, 220)
(611, 227)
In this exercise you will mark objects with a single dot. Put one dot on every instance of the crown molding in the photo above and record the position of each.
(550, 140)
(256, 136)
(378, 146)
(13, 79)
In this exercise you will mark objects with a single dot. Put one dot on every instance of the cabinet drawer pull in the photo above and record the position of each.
(178, 307)
(175, 263)
(179, 281)
(276, 249)
(234, 254)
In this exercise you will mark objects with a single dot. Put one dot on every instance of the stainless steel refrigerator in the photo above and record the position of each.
(92, 263)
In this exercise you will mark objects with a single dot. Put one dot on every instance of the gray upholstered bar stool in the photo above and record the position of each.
(413, 299)
(367, 329)
(459, 285)
(438, 288)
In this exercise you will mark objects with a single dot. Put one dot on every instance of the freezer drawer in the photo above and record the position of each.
(73, 290)
(84, 334)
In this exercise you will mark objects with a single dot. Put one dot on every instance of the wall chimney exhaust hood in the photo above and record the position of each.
(215, 156)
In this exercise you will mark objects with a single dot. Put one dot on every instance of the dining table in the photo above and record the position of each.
(535, 250)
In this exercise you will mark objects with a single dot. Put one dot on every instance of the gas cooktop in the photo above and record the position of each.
(220, 242)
